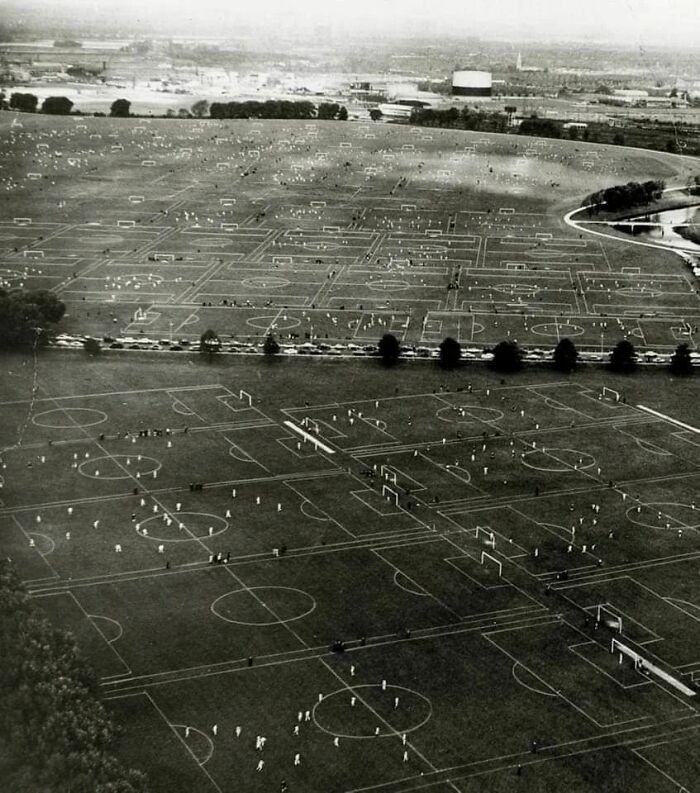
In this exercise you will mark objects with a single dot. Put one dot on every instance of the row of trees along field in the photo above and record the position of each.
(121, 108)
(52, 725)
(278, 109)
(507, 355)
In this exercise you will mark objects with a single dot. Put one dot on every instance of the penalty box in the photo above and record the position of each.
(457, 581)
(359, 509)
(649, 619)
(550, 654)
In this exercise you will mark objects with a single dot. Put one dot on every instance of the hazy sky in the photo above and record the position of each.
(631, 21)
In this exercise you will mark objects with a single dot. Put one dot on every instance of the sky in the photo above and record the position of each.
(641, 22)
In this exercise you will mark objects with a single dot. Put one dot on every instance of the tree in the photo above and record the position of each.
(209, 342)
(623, 358)
(92, 346)
(389, 349)
(270, 346)
(56, 105)
(450, 353)
(565, 356)
(200, 108)
(120, 108)
(507, 357)
(50, 712)
(28, 317)
(376, 114)
(327, 111)
(681, 363)
(26, 103)
(343, 114)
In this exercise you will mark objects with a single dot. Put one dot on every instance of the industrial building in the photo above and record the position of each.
(471, 83)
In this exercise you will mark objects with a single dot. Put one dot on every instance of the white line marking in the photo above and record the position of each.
(668, 418)
(308, 437)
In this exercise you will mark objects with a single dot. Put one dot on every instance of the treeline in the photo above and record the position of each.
(50, 716)
(28, 317)
(273, 108)
(626, 196)
(454, 118)
(482, 121)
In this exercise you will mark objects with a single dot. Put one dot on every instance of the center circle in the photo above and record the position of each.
(145, 279)
(196, 526)
(464, 414)
(517, 289)
(558, 460)
(279, 323)
(385, 286)
(103, 239)
(562, 330)
(336, 715)
(265, 282)
(263, 605)
(321, 246)
(637, 291)
(118, 466)
(69, 418)
(212, 242)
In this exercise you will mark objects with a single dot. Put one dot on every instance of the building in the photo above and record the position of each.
(470, 83)
(400, 109)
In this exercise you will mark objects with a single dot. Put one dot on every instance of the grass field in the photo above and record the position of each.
(332, 231)
(459, 533)
(475, 543)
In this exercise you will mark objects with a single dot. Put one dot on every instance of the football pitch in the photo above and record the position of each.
(402, 579)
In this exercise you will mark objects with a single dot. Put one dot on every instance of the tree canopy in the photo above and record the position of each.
(25, 102)
(270, 346)
(209, 342)
(272, 108)
(507, 357)
(626, 196)
(49, 709)
(540, 127)
(681, 363)
(623, 358)
(389, 349)
(200, 108)
(450, 353)
(28, 317)
(120, 108)
(565, 356)
(56, 105)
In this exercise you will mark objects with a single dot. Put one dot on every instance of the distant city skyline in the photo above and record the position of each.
(642, 22)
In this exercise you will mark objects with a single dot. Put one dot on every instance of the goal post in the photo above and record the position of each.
(312, 424)
(490, 536)
(245, 395)
(607, 615)
(610, 393)
(388, 473)
(390, 494)
(487, 557)
(647, 667)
